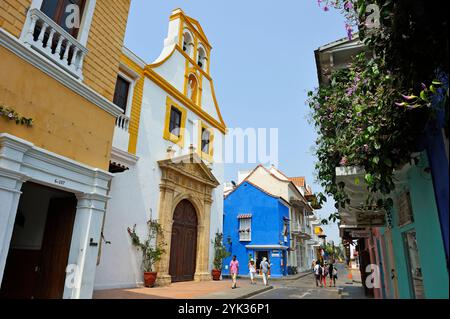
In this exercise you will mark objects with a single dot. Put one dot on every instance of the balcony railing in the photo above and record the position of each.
(50, 39)
(123, 122)
(121, 132)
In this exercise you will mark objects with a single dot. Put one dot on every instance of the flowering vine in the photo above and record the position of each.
(12, 115)
(373, 113)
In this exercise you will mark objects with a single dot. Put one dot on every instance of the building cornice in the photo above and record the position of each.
(48, 67)
(123, 157)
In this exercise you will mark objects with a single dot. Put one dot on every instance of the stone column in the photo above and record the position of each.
(10, 185)
(165, 219)
(12, 151)
(204, 240)
(84, 246)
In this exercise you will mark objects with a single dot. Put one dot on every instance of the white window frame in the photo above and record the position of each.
(247, 235)
(85, 23)
(132, 81)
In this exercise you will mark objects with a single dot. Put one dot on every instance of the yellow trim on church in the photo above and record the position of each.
(203, 155)
(179, 140)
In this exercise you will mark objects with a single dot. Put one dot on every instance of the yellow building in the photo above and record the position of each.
(59, 63)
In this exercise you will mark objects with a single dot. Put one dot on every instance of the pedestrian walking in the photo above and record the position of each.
(318, 274)
(313, 265)
(265, 268)
(330, 272)
(234, 270)
(333, 276)
(252, 271)
(324, 274)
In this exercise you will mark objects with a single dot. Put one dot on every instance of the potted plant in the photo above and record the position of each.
(220, 253)
(151, 250)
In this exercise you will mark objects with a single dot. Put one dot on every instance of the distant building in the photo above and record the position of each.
(297, 195)
(256, 225)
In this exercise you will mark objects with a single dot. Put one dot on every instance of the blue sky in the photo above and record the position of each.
(262, 64)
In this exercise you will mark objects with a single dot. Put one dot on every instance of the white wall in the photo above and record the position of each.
(135, 194)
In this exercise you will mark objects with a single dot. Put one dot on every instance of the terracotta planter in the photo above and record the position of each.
(149, 279)
(216, 274)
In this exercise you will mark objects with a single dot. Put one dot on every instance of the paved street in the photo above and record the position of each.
(347, 287)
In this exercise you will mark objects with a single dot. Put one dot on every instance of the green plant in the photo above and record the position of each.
(373, 113)
(220, 251)
(151, 251)
(12, 115)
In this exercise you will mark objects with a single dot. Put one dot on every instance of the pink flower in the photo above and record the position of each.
(343, 161)
(348, 5)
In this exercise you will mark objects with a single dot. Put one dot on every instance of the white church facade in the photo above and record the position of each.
(166, 159)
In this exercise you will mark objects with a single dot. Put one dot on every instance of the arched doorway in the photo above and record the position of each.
(183, 248)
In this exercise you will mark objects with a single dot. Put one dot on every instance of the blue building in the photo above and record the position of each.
(256, 225)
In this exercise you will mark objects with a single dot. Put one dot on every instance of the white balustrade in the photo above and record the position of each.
(50, 39)
(123, 122)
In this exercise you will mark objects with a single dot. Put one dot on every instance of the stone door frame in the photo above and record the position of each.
(185, 178)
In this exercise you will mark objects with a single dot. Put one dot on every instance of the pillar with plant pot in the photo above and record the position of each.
(220, 253)
(152, 250)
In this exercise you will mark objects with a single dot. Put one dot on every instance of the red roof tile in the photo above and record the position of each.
(298, 181)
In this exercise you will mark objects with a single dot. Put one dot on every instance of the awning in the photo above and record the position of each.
(245, 216)
(262, 247)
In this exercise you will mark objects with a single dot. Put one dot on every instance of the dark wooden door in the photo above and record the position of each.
(58, 11)
(55, 248)
(183, 248)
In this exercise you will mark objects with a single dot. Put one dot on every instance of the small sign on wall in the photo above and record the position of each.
(275, 253)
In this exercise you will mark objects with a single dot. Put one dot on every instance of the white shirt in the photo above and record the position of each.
(316, 269)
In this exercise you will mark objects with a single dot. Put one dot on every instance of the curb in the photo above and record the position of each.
(253, 293)
(292, 278)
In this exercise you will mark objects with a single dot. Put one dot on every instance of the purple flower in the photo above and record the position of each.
(350, 91)
(325, 8)
(349, 29)
(424, 87)
(348, 5)
(409, 97)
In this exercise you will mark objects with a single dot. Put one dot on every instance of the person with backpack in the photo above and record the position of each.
(318, 273)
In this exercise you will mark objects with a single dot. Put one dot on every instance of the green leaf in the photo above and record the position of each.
(376, 160)
(388, 162)
(433, 89)
(368, 178)
(423, 96)
(371, 129)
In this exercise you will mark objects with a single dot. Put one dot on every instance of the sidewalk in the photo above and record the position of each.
(186, 290)
(353, 288)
